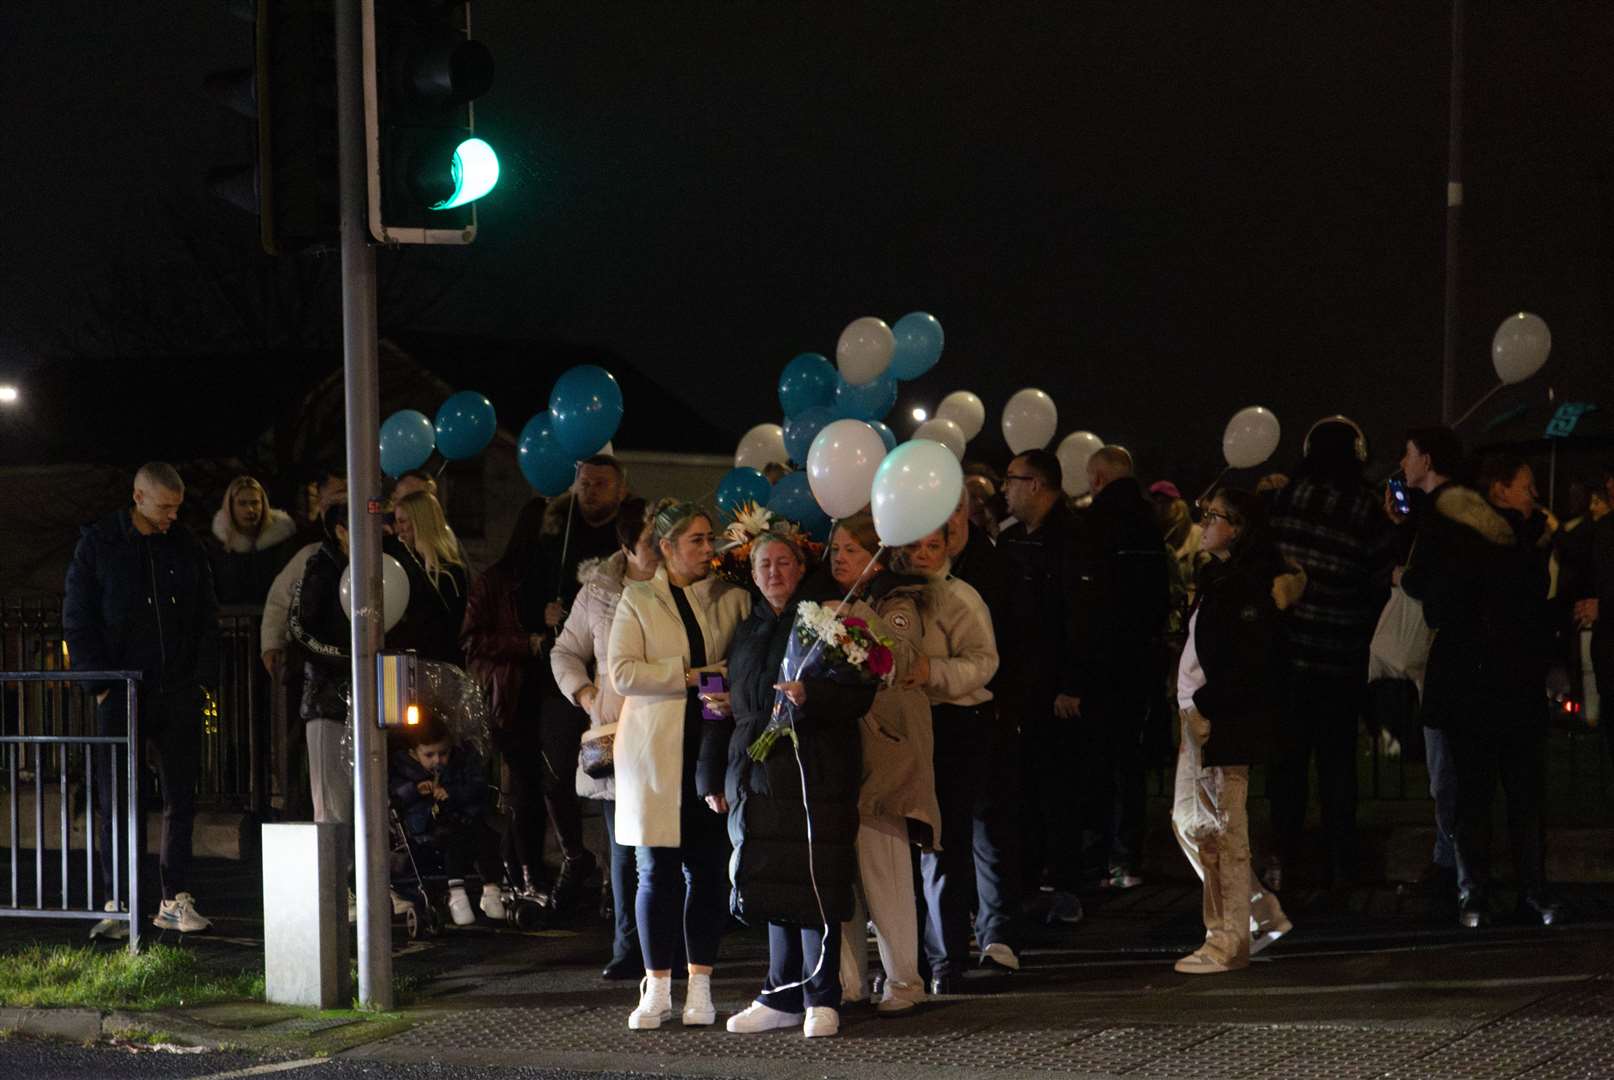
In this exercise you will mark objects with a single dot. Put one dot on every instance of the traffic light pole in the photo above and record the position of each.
(362, 382)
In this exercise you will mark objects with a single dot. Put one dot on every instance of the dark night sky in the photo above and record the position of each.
(1158, 212)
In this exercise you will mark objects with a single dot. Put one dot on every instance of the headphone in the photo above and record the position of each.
(1360, 445)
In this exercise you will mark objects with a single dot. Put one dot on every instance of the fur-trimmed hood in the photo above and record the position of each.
(277, 530)
(1468, 508)
(605, 575)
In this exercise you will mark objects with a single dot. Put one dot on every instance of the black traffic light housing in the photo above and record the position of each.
(422, 71)
(290, 91)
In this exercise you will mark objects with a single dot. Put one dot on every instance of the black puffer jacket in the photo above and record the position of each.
(1238, 638)
(1124, 593)
(109, 618)
(772, 870)
(319, 625)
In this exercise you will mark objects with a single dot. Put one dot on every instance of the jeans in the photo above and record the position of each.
(997, 835)
(793, 954)
(625, 935)
(684, 891)
(1443, 789)
(170, 726)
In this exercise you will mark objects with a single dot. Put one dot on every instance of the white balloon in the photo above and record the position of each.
(760, 447)
(1520, 346)
(394, 591)
(915, 491)
(947, 432)
(1251, 437)
(841, 466)
(1029, 420)
(864, 351)
(1074, 450)
(964, 409)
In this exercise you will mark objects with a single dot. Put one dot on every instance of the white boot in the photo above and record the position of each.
(459, 905)
(698, 1008)
(655, 1003)
(493, 902)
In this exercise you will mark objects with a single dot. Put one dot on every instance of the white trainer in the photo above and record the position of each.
(493, 902)
(180, 914)
(459, 905)
(822, 1021)
(698, 1008)
(655, 1004)
(758, 1017)
(111, 929)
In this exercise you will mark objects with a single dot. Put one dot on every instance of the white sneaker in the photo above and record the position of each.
(459, 906)
(698, 1008)
(758, 1017)
(180, 914)
(493, 902)
(1001, 955)
(655, 1004)
(900, 998)
(111, 929)
(822, 1021)
(1266, 935)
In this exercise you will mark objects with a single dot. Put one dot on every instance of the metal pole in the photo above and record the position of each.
(1454, 214)
(364, 532)
(137, 829)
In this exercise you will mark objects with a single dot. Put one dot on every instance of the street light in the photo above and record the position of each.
(8, 394)
(919, 414)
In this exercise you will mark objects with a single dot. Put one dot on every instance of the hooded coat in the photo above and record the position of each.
(244, 567)
(1484, 594)
(578, 658)
(774, 870)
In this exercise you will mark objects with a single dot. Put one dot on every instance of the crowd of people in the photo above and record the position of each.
(1047, 652)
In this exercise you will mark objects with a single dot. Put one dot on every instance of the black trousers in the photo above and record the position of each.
(465, 848)
(539, 781)
(1051, 836)
(1511, 749)
(1320, 716)
(170, 726)
(997, 833)
(948, 875)
(1112, 766)
(794, 952)
(624, 882)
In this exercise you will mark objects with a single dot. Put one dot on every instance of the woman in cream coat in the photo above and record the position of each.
(667, 632)
(958, 657)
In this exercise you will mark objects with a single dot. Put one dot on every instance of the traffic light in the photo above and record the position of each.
(290, 90)
(426, 166)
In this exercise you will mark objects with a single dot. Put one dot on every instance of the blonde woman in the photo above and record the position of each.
(666, 633)
(438, 580)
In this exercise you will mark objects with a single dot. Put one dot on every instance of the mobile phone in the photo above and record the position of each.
(712, 682)
(1398, 495)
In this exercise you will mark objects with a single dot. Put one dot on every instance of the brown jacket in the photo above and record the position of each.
(899, 778)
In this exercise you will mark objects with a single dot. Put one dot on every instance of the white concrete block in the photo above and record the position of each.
(305, 929)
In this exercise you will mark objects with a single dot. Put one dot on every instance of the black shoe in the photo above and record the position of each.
(1472, 911)
(943, 985)
(629, 967)
(1435, 882)
(573, 873)
(1539, 909)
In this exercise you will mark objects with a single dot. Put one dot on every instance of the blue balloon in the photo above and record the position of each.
(792, 499)
(801, 430)
(740, 486)
(886, 434)
(465, 425)
(547, 465)
(806, 382)
(407, 440)
(871, 401)
(918, 345)
(585, 408)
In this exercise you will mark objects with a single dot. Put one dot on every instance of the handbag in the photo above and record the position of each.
(1401, 641)
(595, 755)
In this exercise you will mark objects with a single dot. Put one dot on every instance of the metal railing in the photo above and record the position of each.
(51, 714)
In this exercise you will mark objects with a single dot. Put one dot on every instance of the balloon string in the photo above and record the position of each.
(1214, 484)
(1471, 409)
(566, 540)
(806, 807)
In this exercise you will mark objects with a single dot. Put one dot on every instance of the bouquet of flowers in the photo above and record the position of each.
(823, 644)
(733, 559)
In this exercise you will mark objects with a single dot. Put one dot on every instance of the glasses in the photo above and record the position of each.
(1216, 515)
(1011, 478)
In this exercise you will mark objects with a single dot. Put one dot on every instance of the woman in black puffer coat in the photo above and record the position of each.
(803, 893)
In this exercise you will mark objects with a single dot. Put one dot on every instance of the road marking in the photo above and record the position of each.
(1431, 984)
(260, 1070)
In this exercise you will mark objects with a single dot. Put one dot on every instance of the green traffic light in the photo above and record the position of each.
(475, 170)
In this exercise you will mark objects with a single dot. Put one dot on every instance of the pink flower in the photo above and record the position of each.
(880, 661)
(854, 622)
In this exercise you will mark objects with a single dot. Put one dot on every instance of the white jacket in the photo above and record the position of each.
(277, 605)
(648, 655)
(578, 656)
(959, 643)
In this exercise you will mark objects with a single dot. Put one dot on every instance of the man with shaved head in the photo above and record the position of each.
(140, 598)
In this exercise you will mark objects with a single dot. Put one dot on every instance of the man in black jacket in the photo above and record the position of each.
(1125, 596)
(1597, 595)
(140, 598)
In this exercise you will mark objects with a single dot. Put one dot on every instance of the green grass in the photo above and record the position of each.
(159, 977)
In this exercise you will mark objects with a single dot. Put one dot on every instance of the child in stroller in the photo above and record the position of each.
(439, 792)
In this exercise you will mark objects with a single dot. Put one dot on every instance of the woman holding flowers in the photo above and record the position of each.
(897, 799)
(802, 673)
(958, 657)
(666, 633)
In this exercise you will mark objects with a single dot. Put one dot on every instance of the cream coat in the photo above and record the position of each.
(647, 658)
(899, 778)
(959, 642)
(578, 658)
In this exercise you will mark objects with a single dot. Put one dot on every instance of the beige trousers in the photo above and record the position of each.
(885, 863)
(1210, 818)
